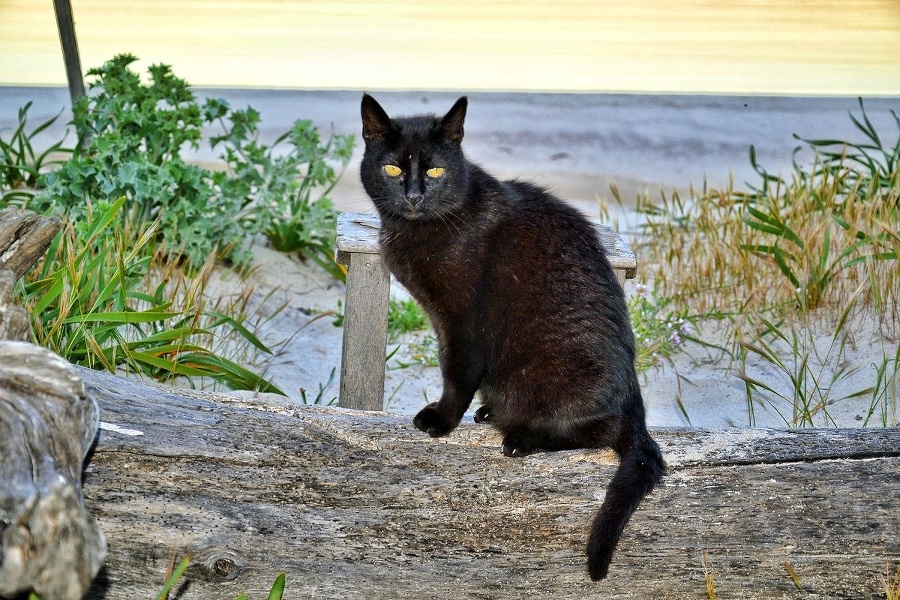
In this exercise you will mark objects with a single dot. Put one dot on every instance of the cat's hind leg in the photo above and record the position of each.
(521, 442)
(484, 414)
(550, 436)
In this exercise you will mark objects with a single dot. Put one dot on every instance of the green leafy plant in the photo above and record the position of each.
(872, 161)
(320, 395)
(886, 391)
(173, 578)
(823, 231)
(809, 377)
(93, 302)
(405, 316)
(425, 351)
(267, 176)
(21, 165)
(812, 243)
(133, 138)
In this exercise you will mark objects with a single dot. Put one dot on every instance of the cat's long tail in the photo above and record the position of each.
(641, 467)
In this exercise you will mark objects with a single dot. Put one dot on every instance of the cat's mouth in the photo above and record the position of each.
(413, 213)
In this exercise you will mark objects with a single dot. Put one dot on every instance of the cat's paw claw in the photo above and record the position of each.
(483, 415)
(433, 422)
(516, 445)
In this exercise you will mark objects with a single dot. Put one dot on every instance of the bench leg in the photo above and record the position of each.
(365, 333)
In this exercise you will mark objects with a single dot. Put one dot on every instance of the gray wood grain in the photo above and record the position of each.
(49, 542)
(24, 237)
(365, 333)
(14, 323)
(361, 505)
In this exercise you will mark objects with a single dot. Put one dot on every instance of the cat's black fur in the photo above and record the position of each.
(525, 304)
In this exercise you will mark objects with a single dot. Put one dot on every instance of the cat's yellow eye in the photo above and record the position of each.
(435, 172)
(393, 170)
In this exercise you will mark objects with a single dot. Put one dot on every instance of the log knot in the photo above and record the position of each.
(216, 564)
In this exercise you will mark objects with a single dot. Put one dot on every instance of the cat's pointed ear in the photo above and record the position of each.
(376, 123)
(452, 123)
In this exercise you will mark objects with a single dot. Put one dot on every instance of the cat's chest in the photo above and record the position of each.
(436, 267)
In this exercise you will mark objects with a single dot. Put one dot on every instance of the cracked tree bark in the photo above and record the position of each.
(49, 543)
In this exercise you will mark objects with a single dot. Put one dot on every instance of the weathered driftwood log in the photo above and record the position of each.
(14, 324)
(362, 505)
(49, 543)
(24, 237)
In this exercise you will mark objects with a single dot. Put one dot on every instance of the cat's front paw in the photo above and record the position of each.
(433, 422)
(518, 444)
(483, 414)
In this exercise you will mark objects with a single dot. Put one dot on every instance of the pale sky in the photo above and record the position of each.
(805, 47)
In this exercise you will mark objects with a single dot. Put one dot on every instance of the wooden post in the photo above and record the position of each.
(66, 24)
(365, 334)
(365, 312)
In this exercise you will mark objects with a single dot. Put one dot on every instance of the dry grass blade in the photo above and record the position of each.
(892, 584)
(708, 577)
(790, 569)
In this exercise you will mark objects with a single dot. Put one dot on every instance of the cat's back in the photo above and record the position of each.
(552, 236)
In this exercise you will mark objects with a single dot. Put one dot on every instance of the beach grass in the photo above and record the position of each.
(793, 259)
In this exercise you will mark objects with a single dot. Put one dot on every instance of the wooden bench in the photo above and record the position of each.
(366, 305)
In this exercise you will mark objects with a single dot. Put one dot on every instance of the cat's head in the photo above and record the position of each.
(413, 167)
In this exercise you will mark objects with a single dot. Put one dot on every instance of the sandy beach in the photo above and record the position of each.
(576, 144)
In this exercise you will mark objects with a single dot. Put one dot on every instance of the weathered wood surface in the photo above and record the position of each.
(48, 541)
(362, 505)
(24, 237)
(14, 323)
(365, 333)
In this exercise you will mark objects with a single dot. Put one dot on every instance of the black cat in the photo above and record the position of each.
(526, 307)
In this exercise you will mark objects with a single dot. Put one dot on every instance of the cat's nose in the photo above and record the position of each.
(414, 198)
